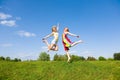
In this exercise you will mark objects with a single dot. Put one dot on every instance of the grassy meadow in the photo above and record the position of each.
(51, 70)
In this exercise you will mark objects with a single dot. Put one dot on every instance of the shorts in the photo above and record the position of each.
(54, 41)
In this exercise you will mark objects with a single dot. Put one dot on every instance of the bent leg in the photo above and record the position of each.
(56, 48)
(53, 47)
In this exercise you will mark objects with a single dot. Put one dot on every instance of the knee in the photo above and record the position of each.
(49, 47)
(56, 49)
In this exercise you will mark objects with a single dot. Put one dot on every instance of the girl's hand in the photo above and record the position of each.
(43, 38)
(78, 36)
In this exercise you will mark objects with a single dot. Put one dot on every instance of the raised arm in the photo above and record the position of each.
(58, 26)
(48, 36)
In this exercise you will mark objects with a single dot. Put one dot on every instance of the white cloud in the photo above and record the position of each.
(8, 20)
(25, 34)
(6, 45)
(4, 16)
(10, 23)
(18, 18)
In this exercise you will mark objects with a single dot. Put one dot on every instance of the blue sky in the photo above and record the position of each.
(23, 23)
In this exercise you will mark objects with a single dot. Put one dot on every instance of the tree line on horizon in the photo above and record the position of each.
(58, 57)
(9, 59)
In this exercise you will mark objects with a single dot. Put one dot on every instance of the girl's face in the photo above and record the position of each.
(54, 29)
(66, 30)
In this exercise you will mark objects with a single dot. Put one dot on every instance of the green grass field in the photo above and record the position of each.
(84, 70)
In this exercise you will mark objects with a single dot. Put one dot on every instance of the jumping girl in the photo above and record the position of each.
(67, 43)
(53, 46)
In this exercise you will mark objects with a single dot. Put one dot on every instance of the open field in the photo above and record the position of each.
(50, 70)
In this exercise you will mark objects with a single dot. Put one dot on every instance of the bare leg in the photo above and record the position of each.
(56, 47)
(53, 47)
(68, 55)
(77, 42)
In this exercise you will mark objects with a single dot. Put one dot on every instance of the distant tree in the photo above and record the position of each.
(110, 59)
(7, 59)
(116, 56)
(77, 58)
(44, 56)
(91, 58)
(82, 58)
(56, 56)
(2, 58)
(16, 60)
(64, 58)
(101, 58)
(19, 60)
(60, 57)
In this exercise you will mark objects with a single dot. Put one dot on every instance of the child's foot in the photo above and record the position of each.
(80, 41)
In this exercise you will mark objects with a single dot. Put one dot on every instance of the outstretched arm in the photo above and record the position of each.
(48, 36)
(72, 34)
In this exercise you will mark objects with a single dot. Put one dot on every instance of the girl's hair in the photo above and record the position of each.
(66, 29)
(53, 28)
